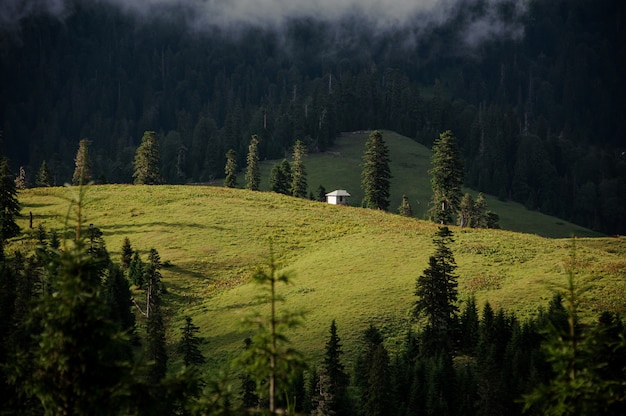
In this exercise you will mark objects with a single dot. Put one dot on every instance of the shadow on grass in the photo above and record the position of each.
(121, 229)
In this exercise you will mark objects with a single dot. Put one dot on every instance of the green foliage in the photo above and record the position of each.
(436, 290)
(270, 360)
(189, 344)
(230, 181)
(9, 204)
(253, 173)
(44, 177)
(376, 176)
(82, 171)
(321, 194)
(156, 350)
(126, 257)
(405, 207)
(298, 171)
(446, 178)
(333, 379)
(147, 161)
(136, 270)
(281, 178)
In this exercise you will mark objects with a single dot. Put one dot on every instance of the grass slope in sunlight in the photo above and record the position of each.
(355, 265)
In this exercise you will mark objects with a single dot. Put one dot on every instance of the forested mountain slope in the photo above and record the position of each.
(538, 109)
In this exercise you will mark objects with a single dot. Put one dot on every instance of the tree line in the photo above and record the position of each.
(536, 118)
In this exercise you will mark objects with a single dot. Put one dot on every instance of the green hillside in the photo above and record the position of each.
(340, 168)
(354, 265)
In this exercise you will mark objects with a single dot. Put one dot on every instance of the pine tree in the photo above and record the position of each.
(253, 171)
(405, 207)
(436, 290)
(44, 178)
(136, 270)
(281, 178)
(249, 397)
(127, 254)
(156, 346)
(321, 194)
(446, 178)
(82, 171)
(147, 161)
(334, 370)
(481, 219)
(152, 277)
(9, 204)
(231, 169)
(376, 175)
(118, 298)
(189, 344)
(298, 171)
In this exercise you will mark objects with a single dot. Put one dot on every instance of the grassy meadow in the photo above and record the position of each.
(354, 265)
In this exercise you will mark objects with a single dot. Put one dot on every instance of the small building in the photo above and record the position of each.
(338, 197)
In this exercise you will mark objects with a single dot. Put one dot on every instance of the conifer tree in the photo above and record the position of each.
(253, 171)
(44, 177)
(156, 346)
(405, 207)
(136, 270)
(281, 178)
(189, 344)
(9, 204)
(321, 194)
(249, 397)
(446, 178)
(148, 160)
(376, 175)
(231, 169)
(481, 219)
(127, 254)
(337, 379)
(152, 277)
(298, 171)
(118, 298)
(82, 171)
(436, 291)
(466, 216)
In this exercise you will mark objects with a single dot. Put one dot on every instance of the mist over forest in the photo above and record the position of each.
(533, 90)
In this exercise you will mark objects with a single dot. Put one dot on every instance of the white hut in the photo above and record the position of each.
(337, 197)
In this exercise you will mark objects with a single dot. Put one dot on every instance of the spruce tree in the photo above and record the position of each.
(20, 180)
(376, 175)
(44, 177)
(231, 169)
(281, 178)
(405, 207)
(118, 298)
(436, 291)
(481, 219)
(148, 160)
(189, 344)
(253, 171)
(156, 346)
(321, 194)
(152, 277)
(9, 204)
(136, 270)
(127, 254)
(82, 171)
(298, 171)
(446, 178)
(466, 216)
(337, 379)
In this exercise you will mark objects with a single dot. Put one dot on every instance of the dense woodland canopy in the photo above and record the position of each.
(538, 117)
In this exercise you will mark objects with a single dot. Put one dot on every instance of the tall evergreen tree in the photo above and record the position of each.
(337, 379)
(20, 180)
(82, 171)
(253, 171)
(446, 178)
(298, 171)
(152, 277)
(231, 169)
(118, 298)
(189, 344)
(481, 218)
(376, 175)
(156, 346)
(321, 194)
(44, 177)
(436, 291)
(466, 215)
(148, 161)
(9, 204)
(127, 254)
(136, 270)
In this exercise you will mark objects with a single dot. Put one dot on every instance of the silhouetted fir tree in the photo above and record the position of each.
(436, 291)
(156, 350)
(136, 270)
(147, 163)
(337, 379)
(446, 178)
(376, 175)
(469, 327)
(152, 276)
(82, 171)
(298, 171)
(44, 177)
(249, 397)
(405, 207)
(118, 298)
(230, 181)
(126, 257)
(9, 204)
(253, 172)
(281, 178)
(189, 344)
(378, 400)
(440, 385)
